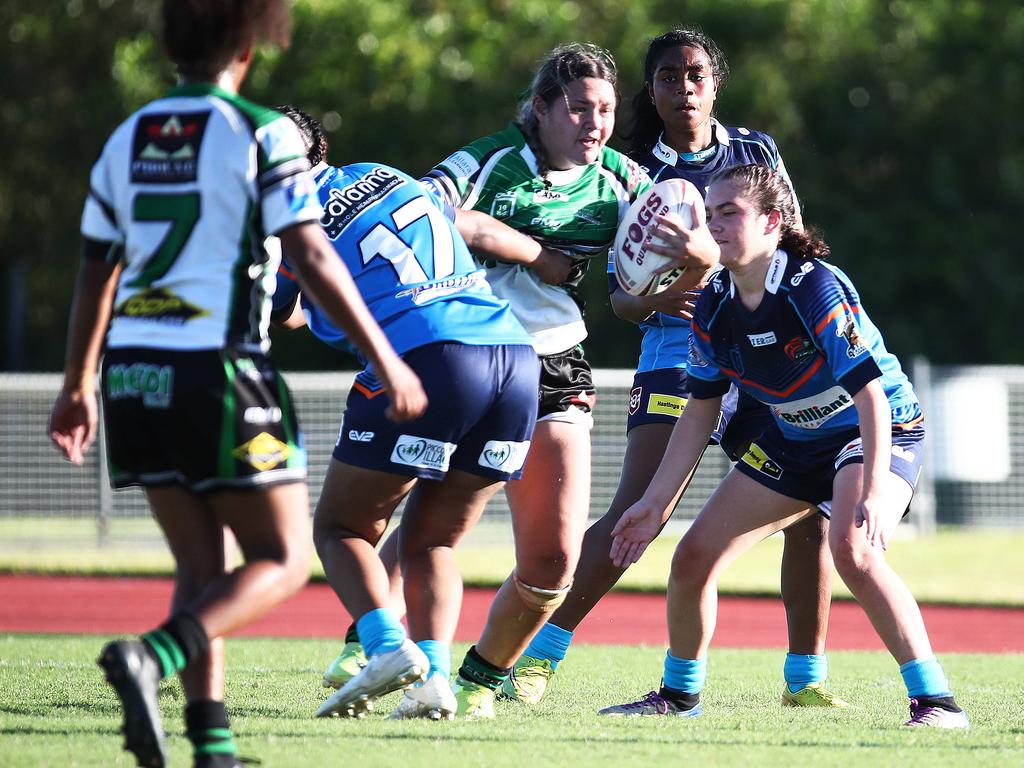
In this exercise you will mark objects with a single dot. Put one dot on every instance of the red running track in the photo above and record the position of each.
(66, 604)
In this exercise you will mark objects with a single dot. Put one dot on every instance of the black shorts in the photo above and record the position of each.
(566, 388)
(204, 419)
(659, 397)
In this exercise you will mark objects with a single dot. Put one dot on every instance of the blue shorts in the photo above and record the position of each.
(805, 470)
(659, 397)
(480, 417)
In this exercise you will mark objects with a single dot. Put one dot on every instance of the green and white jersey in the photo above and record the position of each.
(185, 192)
(576, 211)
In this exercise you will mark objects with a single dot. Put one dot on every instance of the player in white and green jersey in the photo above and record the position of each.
(180, 201)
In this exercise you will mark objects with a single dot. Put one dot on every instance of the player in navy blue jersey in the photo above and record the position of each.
(789, 330)
(674, 135)
(480, 373)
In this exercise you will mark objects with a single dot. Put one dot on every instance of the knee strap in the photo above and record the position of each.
(538, 598)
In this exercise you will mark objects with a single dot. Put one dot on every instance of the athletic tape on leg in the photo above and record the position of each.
(540, 599)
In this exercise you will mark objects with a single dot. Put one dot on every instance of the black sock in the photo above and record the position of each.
(477, 669)
(351, 634)
(942, 702)
(681, 699)
(181, 639)
(206, 724)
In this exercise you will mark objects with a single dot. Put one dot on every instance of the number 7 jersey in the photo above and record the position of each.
(185, 192)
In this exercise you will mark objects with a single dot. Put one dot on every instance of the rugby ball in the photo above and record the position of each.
(635, 265)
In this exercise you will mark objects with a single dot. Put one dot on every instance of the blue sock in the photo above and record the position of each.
(550, 643)
(686, 675)
(801, 670)
(924, 677)
(380, 631)
(440, 655)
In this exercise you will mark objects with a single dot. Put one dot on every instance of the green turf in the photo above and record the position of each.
(955, 566)
(55, 710)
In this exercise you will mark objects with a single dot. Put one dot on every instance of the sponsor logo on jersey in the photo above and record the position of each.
(758, 459)
(257, 415)
(669, 405)
(263, 452)
(423, 453)
(503, 206)
(778, 266)
(165, 148)
(761, 339)
(360, 436)
(153, 384)
(549, 195)
(343, 204)
(449, 285)
(635, 396)
(544, 222)
(805, 268)
(462, 163)
(504, 455)
(799, 348)
(848, 330)
(812, 412)
(158, 304)
(694, 357)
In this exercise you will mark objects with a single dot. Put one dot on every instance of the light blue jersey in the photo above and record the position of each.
(409, 262)
(804, 352)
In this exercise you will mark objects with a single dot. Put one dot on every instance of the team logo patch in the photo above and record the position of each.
(153, 384)
(158, 304)
(799, 348)
(504, 205)
(669, 405)
(848, 330)
(761, 339)
(635, 396)
(505, 455)
(758, 459)
(263, 452)
(165, 149)
(694, 357)
(422, 453)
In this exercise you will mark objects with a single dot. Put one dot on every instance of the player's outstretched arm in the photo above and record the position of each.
(326, 281)
(73, 418)
(490, 238)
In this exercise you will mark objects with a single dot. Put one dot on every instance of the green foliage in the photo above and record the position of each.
(58, 711)
(898, 122)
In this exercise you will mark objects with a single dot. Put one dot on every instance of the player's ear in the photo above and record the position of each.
(774, 223)
(539, 107)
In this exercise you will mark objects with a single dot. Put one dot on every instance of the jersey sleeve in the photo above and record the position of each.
(438, 199)
(830, 309)
(99, 220)
(704, 378)
(454, 178)
(287, 189)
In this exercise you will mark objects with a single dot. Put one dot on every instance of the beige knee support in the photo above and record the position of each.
(540, 599)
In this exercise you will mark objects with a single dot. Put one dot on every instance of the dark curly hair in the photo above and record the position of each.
(311, 130)
(646, 125)
(769, 191)
(203, 36)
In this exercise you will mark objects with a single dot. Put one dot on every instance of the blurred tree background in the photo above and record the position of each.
(900, 122)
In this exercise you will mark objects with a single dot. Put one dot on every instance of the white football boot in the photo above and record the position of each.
(432, 699)
(382, 674)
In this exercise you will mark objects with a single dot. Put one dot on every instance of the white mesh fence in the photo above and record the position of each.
(975, 469)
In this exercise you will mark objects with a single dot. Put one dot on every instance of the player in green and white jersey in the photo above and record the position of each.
(180, 202)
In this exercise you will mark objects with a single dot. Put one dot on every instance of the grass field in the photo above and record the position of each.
(955, 566)
(56, 711)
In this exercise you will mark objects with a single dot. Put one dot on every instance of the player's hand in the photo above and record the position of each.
(408, 400)
(693, 248)
(72, 424)
(552, 266)
(636, 529)
(674, 302)
(878, 520)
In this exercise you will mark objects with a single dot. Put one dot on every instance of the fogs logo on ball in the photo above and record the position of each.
(422, 453)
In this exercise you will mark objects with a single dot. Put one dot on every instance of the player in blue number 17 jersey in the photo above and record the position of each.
(790, 331)
(480, 373)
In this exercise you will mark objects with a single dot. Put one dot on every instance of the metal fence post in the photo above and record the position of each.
(104, 493)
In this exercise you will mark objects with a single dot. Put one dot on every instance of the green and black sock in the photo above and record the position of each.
(476, 669)
(206, 724)
(181, 639)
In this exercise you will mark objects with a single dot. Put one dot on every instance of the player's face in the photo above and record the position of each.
(683, 88)
(574, 129)
(744, 234)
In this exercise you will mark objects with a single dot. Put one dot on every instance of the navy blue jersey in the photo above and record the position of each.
(666, 338)
(804, 352)
(408, 261)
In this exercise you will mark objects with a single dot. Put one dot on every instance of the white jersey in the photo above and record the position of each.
(185, 192)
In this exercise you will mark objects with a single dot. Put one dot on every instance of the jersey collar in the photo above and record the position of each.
(669, 156)
(773, 278)
(199, 89)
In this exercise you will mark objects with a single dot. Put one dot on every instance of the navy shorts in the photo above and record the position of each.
(204, 419)
(480, 417)
(659, 397)
(805, 470)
